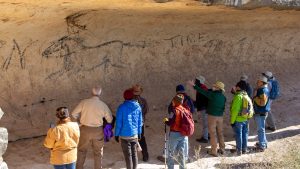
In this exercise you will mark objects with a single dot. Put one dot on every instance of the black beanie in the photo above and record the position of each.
(242, 85)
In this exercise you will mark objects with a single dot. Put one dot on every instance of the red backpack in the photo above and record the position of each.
(187, 123)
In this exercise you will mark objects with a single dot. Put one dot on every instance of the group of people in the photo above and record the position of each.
(92, 123)
(210, 104)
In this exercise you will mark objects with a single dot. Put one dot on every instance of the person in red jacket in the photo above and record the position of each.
(177, 141)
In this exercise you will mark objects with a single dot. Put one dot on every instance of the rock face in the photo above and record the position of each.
(52, 56)
(3, 143)
(259, 3)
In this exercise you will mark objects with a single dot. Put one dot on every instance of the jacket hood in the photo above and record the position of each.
(131, 104)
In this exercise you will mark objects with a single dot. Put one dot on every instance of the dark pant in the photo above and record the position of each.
(143, 145)
(129, 147)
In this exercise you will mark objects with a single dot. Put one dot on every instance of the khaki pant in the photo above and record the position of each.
(215, 127)
(93, 136)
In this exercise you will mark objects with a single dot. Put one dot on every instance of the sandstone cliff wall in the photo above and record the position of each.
(46, 62)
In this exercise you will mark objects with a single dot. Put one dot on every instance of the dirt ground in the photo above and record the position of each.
(53, 52)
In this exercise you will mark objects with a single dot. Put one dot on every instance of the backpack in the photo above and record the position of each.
(188, 103)
(187, 123)
(275, 90)
(247, 107)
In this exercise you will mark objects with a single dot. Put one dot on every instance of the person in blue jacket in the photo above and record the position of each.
(129, 122)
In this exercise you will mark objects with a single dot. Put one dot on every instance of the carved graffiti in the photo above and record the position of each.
(20, 54)
(181, 40)
(2, 43)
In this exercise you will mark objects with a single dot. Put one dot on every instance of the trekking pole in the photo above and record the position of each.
(165, 146)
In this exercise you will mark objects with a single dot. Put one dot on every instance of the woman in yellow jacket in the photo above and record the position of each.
(62, 140)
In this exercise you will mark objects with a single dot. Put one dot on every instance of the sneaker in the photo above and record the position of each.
(239, 153)
(271, 128)
(202, 140)
(161, 158)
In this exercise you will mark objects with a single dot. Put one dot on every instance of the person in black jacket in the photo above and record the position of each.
(137, 91)
(201, 104)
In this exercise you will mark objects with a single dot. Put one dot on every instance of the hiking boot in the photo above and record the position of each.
(239, 153)
(257, 145)
(161, 158)
(221, 151)
(259, 149)
(212, 154)
(232, 150)
(271, 128)
(202, 140)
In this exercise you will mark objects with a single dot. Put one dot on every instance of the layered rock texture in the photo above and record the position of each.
(3, 143)
(53, 53)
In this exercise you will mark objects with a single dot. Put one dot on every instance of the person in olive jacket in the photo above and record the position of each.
(215, 111)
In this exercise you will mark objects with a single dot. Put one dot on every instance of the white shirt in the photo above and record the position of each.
(91, 112)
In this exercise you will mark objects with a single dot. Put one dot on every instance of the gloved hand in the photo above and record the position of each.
(108, 133)
(139, 137)
(117, 138)
(232, 125)
(165, 120)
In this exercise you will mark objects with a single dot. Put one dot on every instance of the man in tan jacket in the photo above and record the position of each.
(90, 113)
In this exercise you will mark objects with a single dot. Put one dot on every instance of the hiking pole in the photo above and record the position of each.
(165, 146)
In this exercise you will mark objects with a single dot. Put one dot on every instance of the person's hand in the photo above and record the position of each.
(165, 120)
(117, 138)
(233, 90)
(232, 125)
(191, 82)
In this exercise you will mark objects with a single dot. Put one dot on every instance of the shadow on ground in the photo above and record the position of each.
(280, 135)
(244, 165)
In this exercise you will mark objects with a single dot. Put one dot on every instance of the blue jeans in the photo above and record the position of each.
(177, 143)
(241, 135)
(66, 166)
(186, 149)
(261, 132)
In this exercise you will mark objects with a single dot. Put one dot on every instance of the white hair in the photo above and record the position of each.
(96, 91)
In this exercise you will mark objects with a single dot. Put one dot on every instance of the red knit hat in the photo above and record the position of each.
(128, 94)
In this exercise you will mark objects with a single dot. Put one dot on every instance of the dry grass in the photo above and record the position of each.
(282, 154)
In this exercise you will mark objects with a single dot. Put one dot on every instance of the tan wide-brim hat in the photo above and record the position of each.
(220, 85)
(268, 74)
(263, 79)
(137, 90)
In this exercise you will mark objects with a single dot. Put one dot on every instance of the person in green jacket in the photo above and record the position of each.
(215, 111)
(239, 116)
